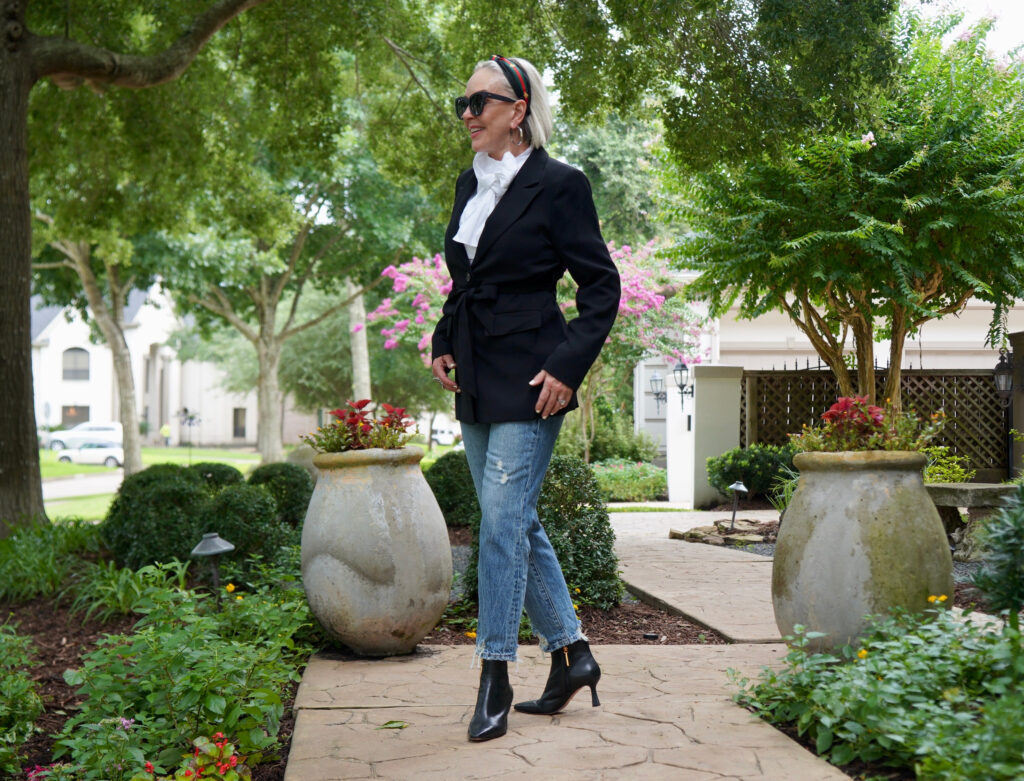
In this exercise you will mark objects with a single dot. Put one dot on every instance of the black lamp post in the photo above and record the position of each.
(737, 488)
(1003, 376)
(658, 389)
(683, 381)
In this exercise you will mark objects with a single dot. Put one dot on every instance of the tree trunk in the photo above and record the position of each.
(110, 320)
(893, 380)
(360, 345)
(21, 492)
(268, 427)
(864, 342)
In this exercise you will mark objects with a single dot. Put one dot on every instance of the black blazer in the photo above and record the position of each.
(501, 321)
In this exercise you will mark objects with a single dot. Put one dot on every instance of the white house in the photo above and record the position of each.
(74, 379)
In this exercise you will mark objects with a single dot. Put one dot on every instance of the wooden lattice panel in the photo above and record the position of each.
(775, 403)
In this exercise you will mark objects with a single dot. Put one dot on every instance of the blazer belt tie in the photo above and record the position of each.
(466, 309)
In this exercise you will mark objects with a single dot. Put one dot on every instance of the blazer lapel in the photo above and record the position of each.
(513, 203)
(456, 250)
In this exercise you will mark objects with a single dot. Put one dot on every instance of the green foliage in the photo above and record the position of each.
(572, 512)
(290, 485)
(213, 757)
(217, 475)
(783, 488)
(946, 467)
(20, 704)
(895, 220)
(853, 424)
(155, 515)
(38, 560)
(931, 693)
(105, 590)
(247, 516)
(613, 437)
(452, 483)
(758, 467)
(630, 481)
(1001, 577)
(185, 671)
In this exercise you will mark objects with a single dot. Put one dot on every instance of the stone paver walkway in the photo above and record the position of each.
(666, 711)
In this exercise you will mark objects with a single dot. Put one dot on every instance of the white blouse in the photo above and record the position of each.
(493, 178)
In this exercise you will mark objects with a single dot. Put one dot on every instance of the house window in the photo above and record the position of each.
(72, 416)
(238, 418)
(76, 364)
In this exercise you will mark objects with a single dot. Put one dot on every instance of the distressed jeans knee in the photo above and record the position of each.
(517, 567)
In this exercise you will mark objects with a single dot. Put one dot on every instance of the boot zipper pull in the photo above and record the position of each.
(565, 648)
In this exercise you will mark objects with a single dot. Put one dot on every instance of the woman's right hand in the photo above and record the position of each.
(440, 368)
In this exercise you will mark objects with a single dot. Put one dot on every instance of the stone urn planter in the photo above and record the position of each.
(376, 562)
(860, 536)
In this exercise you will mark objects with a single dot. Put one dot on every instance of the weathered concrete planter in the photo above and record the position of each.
(860, 537)
(376, 562)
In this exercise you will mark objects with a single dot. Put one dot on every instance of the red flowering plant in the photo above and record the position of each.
(853, 424)
(354, 429)
(211, 758)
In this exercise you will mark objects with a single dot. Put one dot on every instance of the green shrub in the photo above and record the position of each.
(629, 481)
(450, 480)
(758, 467)
(179, 676)
(613, 437)
(39, 560)
(246, 516)
(20, 704)
(106, 590)
(573, 514)
(945, 467)
(155, 516)
(290, 485)
(1001, 578)
(930, 693)
(217, 475)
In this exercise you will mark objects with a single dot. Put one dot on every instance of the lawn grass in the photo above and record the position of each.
(89, 508)
(51, 467)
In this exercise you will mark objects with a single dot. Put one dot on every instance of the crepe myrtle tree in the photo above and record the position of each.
(652, 319)
(874, 232)
(36, 44)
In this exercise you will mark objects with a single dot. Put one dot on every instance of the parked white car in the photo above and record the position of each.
(89, 431)
(106, 453)
(443, 436)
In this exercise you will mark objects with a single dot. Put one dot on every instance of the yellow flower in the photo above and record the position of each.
(943, 597)
(577, 591)
(471, 635)
(239, 598)
(932, 598)
(229, 587)
(862, 653)
(575, 606)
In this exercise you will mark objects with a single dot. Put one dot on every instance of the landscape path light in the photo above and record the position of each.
(212, 547)
(737, 488)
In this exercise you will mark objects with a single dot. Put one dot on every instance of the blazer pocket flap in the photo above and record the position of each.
(513, 322)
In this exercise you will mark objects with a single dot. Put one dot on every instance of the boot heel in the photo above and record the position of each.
(593, 696)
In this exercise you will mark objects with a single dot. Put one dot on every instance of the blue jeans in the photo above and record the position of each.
(517, 566)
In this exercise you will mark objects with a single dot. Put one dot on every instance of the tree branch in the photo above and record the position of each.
(70, 63)
(329, 311)
(403, 56)
(222, 308)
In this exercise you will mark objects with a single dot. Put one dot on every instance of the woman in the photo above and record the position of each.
(521, 219)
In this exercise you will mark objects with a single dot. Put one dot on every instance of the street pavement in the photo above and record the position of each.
(82, 485)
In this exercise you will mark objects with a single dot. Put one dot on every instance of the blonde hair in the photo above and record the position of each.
(538, 125)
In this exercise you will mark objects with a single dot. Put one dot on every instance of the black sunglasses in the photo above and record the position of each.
(476, 102)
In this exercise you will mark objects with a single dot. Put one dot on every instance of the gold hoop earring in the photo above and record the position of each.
(522, 135)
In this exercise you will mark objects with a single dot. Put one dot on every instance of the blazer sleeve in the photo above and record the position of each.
(576, 235)
(441, 341)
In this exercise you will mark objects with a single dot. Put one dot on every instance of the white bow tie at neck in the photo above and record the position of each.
(492, 180)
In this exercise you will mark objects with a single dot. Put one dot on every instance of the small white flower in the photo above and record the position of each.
(868, 139)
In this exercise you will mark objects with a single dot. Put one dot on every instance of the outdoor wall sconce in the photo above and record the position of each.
(658, 389)
(737, 488)
(683, 381)
(211, 547)
(1003, 376)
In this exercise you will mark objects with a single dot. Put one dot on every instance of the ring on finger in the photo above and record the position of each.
(562, 402)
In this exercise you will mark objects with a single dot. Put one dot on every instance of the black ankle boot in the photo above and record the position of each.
(572, 668)
(493, 700)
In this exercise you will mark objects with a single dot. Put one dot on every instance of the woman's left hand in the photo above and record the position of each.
(554, 395)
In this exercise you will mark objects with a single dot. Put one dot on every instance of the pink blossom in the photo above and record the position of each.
(390, 344)
(357, 328)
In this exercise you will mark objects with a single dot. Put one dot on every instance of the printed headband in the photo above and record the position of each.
(516, 78)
